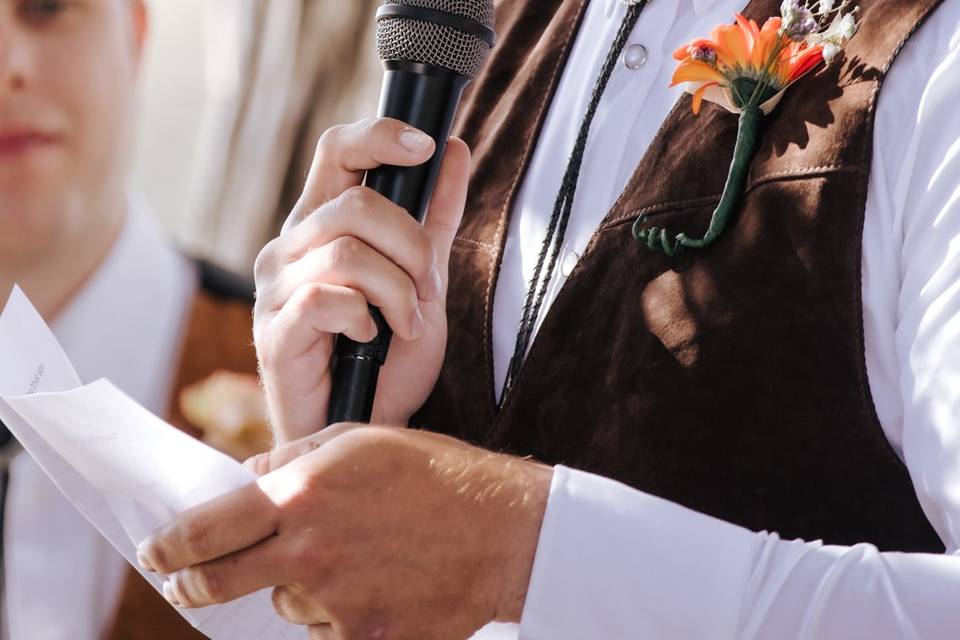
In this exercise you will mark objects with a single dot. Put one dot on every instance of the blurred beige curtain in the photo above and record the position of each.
(278, 72)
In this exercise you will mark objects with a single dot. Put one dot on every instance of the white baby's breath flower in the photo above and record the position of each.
(800, 24)
(830, 51)
(789, 8)
(848, 26)
(840, 30)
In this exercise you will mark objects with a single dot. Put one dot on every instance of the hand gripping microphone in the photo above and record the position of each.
(431, 50)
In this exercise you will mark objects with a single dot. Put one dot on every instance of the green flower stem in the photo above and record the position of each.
(748, 140)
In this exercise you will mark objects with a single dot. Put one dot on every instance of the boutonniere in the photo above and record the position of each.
(746, 69)
(230, 409)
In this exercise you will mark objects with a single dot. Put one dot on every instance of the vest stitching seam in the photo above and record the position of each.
(803, 171)
(668, 203)
(756, 182)
(482, 245)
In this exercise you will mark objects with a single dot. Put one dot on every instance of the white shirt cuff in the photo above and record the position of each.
(613, 562)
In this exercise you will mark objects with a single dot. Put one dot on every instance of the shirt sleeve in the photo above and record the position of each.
(926, 197)
(616, 563)
(613, 562)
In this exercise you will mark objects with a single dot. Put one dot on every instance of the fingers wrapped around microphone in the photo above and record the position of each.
(358, 249)
(366, 215)
(315, 279)
(346, 152)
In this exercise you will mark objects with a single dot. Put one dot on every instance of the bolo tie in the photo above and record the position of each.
(563, 205)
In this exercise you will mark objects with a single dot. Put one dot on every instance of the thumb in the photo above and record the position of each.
(449, 198)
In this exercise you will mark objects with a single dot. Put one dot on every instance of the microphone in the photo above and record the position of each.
(431, 50)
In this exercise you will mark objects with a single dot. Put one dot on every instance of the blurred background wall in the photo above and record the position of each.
(171, 109)
(235, 95)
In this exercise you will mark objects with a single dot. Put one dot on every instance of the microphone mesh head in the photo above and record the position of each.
(434, 44)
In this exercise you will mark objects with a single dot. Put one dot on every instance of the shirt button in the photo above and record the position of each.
(635, 56)
(569, 263)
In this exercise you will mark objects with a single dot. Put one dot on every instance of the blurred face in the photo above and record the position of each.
(67, 95)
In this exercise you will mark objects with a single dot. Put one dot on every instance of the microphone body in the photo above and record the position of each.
(431, 50)
(425, 97)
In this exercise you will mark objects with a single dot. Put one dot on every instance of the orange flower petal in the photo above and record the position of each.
(695, 71)
(806, 61)
(698, 96)
(772, 25)
(768, 40)
(749, 30)
(730, 39)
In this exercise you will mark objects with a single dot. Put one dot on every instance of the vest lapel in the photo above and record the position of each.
(501, 124)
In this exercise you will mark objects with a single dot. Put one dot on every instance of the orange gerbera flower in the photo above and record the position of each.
(738, 58)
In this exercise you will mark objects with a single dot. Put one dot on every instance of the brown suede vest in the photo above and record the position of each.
(219, 336)
(731, 381)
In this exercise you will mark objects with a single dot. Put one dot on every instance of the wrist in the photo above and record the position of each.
(295, 410)
(521, 537)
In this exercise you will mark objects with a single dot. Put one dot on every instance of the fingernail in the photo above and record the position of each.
(169, 594)
(414, 141)
(417, 325)
(143, 561)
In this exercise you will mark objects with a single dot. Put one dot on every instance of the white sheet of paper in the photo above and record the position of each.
(127, 471)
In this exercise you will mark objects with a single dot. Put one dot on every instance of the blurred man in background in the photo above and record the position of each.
(123, 303)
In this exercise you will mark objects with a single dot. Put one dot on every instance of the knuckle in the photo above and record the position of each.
(283, 605)
(356, 199)
(304, 554)
(263, 266)
(196, 539)
(378, 127)
(344, 250)
(207, 584)
(427, 255)
(313, 558)
(258, 464)
(309, 296)
(329, 139)
(308, 445)
(301, 307)
(374, 443)
(360, 311)
(410, 298)
(156, 556)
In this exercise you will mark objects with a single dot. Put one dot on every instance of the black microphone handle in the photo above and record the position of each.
(427, 98)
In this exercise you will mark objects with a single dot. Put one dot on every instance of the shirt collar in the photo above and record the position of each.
(125, 322)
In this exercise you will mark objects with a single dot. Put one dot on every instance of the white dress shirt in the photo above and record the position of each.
(63, 580)
(613, 562)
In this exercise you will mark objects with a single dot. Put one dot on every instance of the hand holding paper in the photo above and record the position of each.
(126, 470)
(368, 527)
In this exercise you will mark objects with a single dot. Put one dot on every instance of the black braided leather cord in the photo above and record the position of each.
(563, 206)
